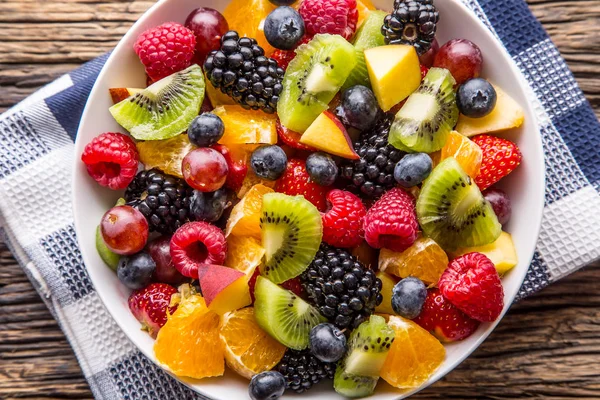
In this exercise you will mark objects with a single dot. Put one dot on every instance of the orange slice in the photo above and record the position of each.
(363, 7)
(252, 180)
(465, 151)
(244, 253)
(246, 126)
(165, 155)
(245, 216)
(248, 349)
(414, 356)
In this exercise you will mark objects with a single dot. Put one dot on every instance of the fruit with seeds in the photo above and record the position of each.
(196, 245)
(296, 181)
(328, 134)
(110, 258)
(284, 28)
(285, 316)
(164, 109)
(413, 169)
(124, 230)
(302, 370)
(119, 94)
(269, 162)
(465, 151)
(500, 158)
(357, 374)
(205, 169)
(208, 26)
(343, 222)
(152, 305)
(462, 58)
(206, 130)
(387, 287)
(452, 211)
(246, 126)
(476, 98)
(336, 17)
(237, 164)
(502, 253)
(321, 168)
(500, 203)
(313, 78)
(224, 289)
(160, 251)
(291, 233)
(209, 207)
(267, 386)
(136, 271)
(408, 297)
(428, 116)
(166, 155)
(359, 108)
(412, 23)
(245, 216)
(327, 342)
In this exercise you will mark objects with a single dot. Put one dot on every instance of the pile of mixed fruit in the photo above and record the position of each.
(326, 211)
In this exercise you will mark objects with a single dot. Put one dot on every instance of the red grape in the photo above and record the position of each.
(124, 230)
(205, 169)
(500, 203)
(427, 58)
(209, 25)
(160, 251)
(462, 58)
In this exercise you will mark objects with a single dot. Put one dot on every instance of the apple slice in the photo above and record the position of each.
(224, 289)
(120, 94)
(329, 135)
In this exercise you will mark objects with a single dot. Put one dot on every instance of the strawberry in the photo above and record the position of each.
(472, 284)
(296, 181)
(291, 138)
(424, 71)
(152, 305)
(443, 320)
(500, 158)
(237, 170)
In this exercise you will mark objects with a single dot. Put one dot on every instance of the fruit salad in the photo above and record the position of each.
(308, 193)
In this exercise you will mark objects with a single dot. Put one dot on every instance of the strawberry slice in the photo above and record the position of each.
(500, 158)
(291, 138)
(296, 181)
(151, 305)
(237, 170)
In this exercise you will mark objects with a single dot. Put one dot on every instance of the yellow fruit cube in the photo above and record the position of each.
(388, 282)
(502, 253)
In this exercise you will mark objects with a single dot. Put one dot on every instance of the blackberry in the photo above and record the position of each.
(301, 370)
(163, 199)
(344, 290)
(241, 70)
(373, 173)
(413, 22)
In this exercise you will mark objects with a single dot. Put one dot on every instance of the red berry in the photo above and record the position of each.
(473, 285)
(205, 169)
(291, 138)
(150, 306)
(462, 58)
(112, 160)
(343, 223)
(424, 71)
(166, 49)
(196, 245)
(284, 57)
(296, 181)
(237, 170)
(293, 285)
(443, 320)
(392, 221)
(336, 17)
(160, 251)
(500, 158)
(124, 230)
(209, 26)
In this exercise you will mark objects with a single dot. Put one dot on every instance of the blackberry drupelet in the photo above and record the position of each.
(344, 290)
(413, 22)
(373, 173)
(301, 370)
(241, 70)
(163, 199)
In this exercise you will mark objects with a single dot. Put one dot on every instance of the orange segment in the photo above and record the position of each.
(465, 151)
(246, 126)
(363, 7)
(252, 180)
(425, 260)
(414, 356)
(245, 216)
(244, 254)
(189, 345)
(248, 349)
(165, 155)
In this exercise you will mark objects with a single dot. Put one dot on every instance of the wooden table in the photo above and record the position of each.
(547, 347)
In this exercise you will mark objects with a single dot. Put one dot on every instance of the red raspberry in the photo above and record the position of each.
(343, 224)
(112, 160)
(291, 138)
(166, 49)
(443, 320)
(296, 181)
(237, 170)
(500, 158)
(337, 17)
(473, 285)
(196, 245)
(151, 305)
(392, 222)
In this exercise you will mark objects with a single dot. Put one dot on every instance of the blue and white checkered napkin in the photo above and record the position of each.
(36, 154)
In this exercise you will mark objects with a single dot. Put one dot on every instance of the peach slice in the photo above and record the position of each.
(328, 134)
(224, 289)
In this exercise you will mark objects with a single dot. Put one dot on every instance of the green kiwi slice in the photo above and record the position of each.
(422, 125)
(291, 234)
(284, 315)
(312, 79)
(164, 109)
(358, 372)
(452, 211)
(368, 36)
(111, 259)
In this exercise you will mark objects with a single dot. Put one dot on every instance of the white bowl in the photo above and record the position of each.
(525, 186)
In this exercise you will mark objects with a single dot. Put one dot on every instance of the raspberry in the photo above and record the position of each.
(151, 305)
(296, 181)
(473, 285)
(392, 222)
(196, 245)
(166, 49)
(337, 17)
(343, 224)
(111, 159)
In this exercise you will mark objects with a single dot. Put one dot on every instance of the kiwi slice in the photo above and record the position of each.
(111, 259)
(164, 109)
(422, 125)
(291, 234)
(452, 211)
(312, 79)
(284, 315)
(358, 372)
(368, 36)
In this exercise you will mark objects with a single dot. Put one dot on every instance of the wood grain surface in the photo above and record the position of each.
(547, 347)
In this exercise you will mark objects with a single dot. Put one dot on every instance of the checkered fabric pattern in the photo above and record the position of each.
(36, 154)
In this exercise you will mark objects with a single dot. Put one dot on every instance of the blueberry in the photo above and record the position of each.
(284, 27)
(283, 2)
(206, 130)
(408, 297)
(268, 162)
(268, 385)
(359, 108)
(476, 98)
(413, 169)
(321, 168)
(209, 206)
(136, 271)
(327, 342)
